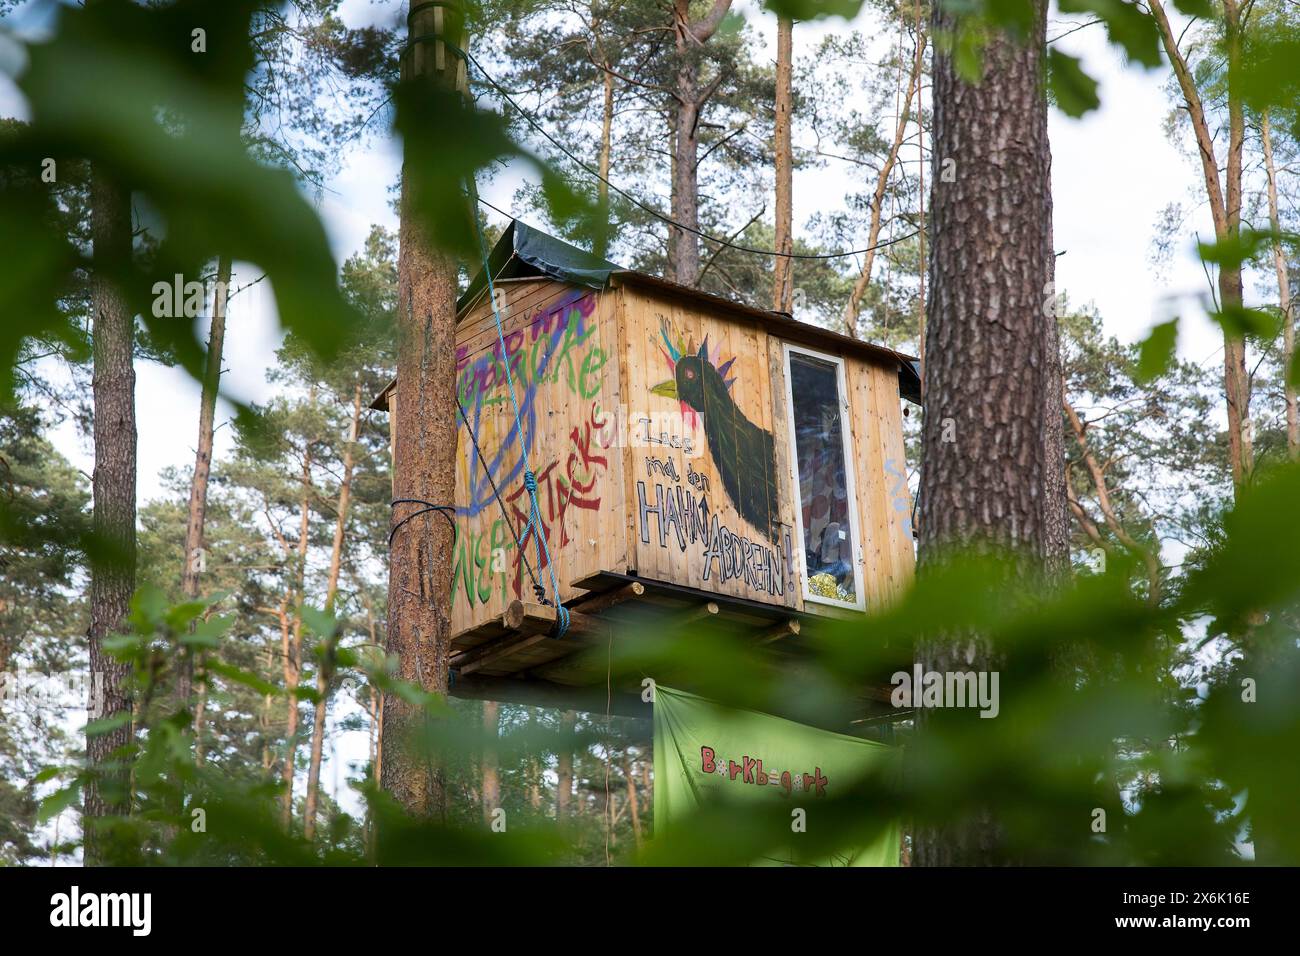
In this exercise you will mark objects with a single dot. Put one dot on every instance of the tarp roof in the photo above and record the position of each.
(523, 251)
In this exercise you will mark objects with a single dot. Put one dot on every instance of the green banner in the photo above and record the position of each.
(706, 752)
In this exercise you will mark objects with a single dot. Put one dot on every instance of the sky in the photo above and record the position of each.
(1112, 173)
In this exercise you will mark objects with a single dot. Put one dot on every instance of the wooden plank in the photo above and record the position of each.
(704, 612)
(489, 653)
(785, 471)
(603, 602)
(578, 489)
(740, 559)
(898, 500)
(790, 627)
(530, 617)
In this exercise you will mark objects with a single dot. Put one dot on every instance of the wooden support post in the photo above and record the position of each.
(788, 628)
(603, 602)
(476, 658)
(704, 612)
(528, 623)
(531, 617)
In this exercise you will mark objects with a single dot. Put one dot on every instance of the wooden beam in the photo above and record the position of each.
(704, 612)
(476, 658)
(603, 602)
(790, 627)
(530, 617)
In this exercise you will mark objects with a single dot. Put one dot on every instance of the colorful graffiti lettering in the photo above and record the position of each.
(557, 344)
(679, 513)
(568, 481)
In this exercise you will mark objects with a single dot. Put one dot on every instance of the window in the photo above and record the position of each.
(826, 512)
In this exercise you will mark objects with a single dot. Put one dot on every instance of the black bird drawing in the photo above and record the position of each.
(742, 452)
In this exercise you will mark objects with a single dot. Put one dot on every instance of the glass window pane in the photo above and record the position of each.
(823, 490)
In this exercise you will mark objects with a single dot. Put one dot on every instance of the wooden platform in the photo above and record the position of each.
(520, 659)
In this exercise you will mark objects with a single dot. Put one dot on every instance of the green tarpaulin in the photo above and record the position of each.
(704, 751)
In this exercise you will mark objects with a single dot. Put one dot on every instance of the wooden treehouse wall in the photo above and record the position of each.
(560, 343)
(708, 501)
(634, 479)
(728, 449)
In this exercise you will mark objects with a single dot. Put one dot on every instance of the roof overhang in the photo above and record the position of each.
(524, 252)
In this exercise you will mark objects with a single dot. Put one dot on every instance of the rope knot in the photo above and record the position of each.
(530, 482)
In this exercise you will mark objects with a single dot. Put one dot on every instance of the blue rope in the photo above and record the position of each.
(530, 479)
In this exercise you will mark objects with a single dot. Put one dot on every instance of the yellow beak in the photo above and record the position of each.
(667, 389)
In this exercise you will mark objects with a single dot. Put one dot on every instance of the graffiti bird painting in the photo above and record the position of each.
(742, 452)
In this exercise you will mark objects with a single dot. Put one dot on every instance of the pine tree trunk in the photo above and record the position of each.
(1283, 292)
(424, 459)
(291, 722)
(193, 556)
(632, 801)
(985, 477)
(690, 37)
(684, 245)
(293, 644)
(491, 783)
(1225, 209)
(564, 765)
(1236, 376)
(601, 245)
(783, 266)
(324, 670)
(112, 574)
(854, 306)
(920, 194)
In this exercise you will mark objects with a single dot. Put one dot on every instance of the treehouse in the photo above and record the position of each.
(695, 459)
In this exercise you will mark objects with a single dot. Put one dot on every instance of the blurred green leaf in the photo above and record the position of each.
(1233, 251)
(1242, 320)
(1074, 91)
(58, 801)
(814, 9)
(106, 725)
(1127, 25)
(319, 622)
(239, 676)
(1156, 351)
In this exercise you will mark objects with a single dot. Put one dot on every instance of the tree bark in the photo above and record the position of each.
(491, 783)
(193, 557)
(324, 670)
(601, 245)
(1283, 292)
(985, 476)
(112, 574)
(782, 268)
(1225, 210)
(291, 637)
(920, 195)
(691, 36)
(424, 458)
(564, 765)
(632, 801)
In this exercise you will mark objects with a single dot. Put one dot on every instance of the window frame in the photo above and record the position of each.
(846, 441)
